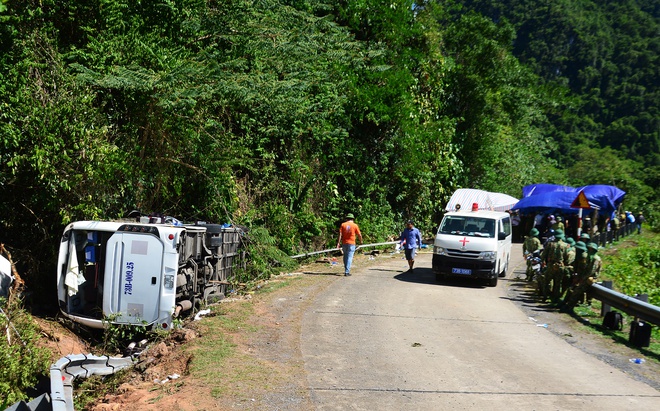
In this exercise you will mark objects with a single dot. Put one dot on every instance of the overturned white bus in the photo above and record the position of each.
(142, 273)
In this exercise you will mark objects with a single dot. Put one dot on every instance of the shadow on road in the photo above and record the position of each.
(524, 293)
(335, 273)
(426, 276)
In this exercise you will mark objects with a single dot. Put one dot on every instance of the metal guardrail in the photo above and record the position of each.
(338, 249)
(629, 305)
(62, 374)
(608, 237)
(68, 368)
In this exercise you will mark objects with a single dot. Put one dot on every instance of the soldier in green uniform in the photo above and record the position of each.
(568, 271)
(584, 237)
(587, 270)
(531, 244)
(555, 259)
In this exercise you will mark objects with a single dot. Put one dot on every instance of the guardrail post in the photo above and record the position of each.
(605, 308)
(640, 332)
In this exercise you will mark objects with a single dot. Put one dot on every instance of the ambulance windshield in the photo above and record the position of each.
(470, 226)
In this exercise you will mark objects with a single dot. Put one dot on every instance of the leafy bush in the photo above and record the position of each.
(636, 269)
(263, 257)
(117, 336)
(21, 360)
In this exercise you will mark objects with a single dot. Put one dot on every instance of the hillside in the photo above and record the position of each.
(284, 116)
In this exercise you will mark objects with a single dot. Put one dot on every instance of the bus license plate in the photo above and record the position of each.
(464, 271)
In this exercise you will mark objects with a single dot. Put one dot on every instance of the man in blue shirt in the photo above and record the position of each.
(410, 239)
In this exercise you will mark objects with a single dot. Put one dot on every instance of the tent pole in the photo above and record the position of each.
(579, 230)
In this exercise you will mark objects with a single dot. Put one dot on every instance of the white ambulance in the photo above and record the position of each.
(473, 244)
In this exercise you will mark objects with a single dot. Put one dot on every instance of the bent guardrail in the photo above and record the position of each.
(68, 368)
(629, 305)
(62, 374)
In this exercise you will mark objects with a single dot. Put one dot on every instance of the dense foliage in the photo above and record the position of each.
(285, 115)
(606, 55)
(636, 270)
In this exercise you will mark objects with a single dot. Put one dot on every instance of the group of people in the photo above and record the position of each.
(546, 223)
(569, 267)
(629, 218)
(410, 240)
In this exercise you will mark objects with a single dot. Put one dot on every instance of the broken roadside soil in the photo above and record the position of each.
(261, 367)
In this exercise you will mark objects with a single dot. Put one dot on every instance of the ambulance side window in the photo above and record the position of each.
(505, 226)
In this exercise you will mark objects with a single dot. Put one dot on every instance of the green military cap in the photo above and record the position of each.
(570, 241)
(580, 245)
(593, 246)
(533, 232)
(585, 236)
(350, 216)
(559, 234)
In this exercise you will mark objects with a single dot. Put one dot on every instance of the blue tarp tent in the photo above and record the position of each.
(552, 197)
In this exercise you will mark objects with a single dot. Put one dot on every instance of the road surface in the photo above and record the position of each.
(387, 339)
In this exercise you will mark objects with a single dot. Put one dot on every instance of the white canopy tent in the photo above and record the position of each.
(465, 197)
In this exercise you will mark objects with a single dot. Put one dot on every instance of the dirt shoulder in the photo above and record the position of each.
(262, 369)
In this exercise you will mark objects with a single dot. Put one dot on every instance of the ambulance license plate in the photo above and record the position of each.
(464, 271)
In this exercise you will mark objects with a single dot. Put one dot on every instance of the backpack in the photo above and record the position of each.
(613, 321)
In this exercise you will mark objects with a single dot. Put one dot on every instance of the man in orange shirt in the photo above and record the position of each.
(347, 233)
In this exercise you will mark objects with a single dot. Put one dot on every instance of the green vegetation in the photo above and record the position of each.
(89, 390)
(633, 265)
(591, 313)
(263, 258)
(115, 337)
(602, 57)
(22, 361)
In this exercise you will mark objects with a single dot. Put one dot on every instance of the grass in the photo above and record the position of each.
(633, 265)
(593, 324)
(216, 357)
(89, 390)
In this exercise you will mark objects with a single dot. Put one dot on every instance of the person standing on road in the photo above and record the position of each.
(347, 234)
(410, 239)
(567, 279)
(639, 220)
(555, 259)
(578, 275)
(558, 224)
(530, 245)
(614, 225)
(516, 224)
(593, 265)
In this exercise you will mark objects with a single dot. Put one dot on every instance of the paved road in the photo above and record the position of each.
(386, 339)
